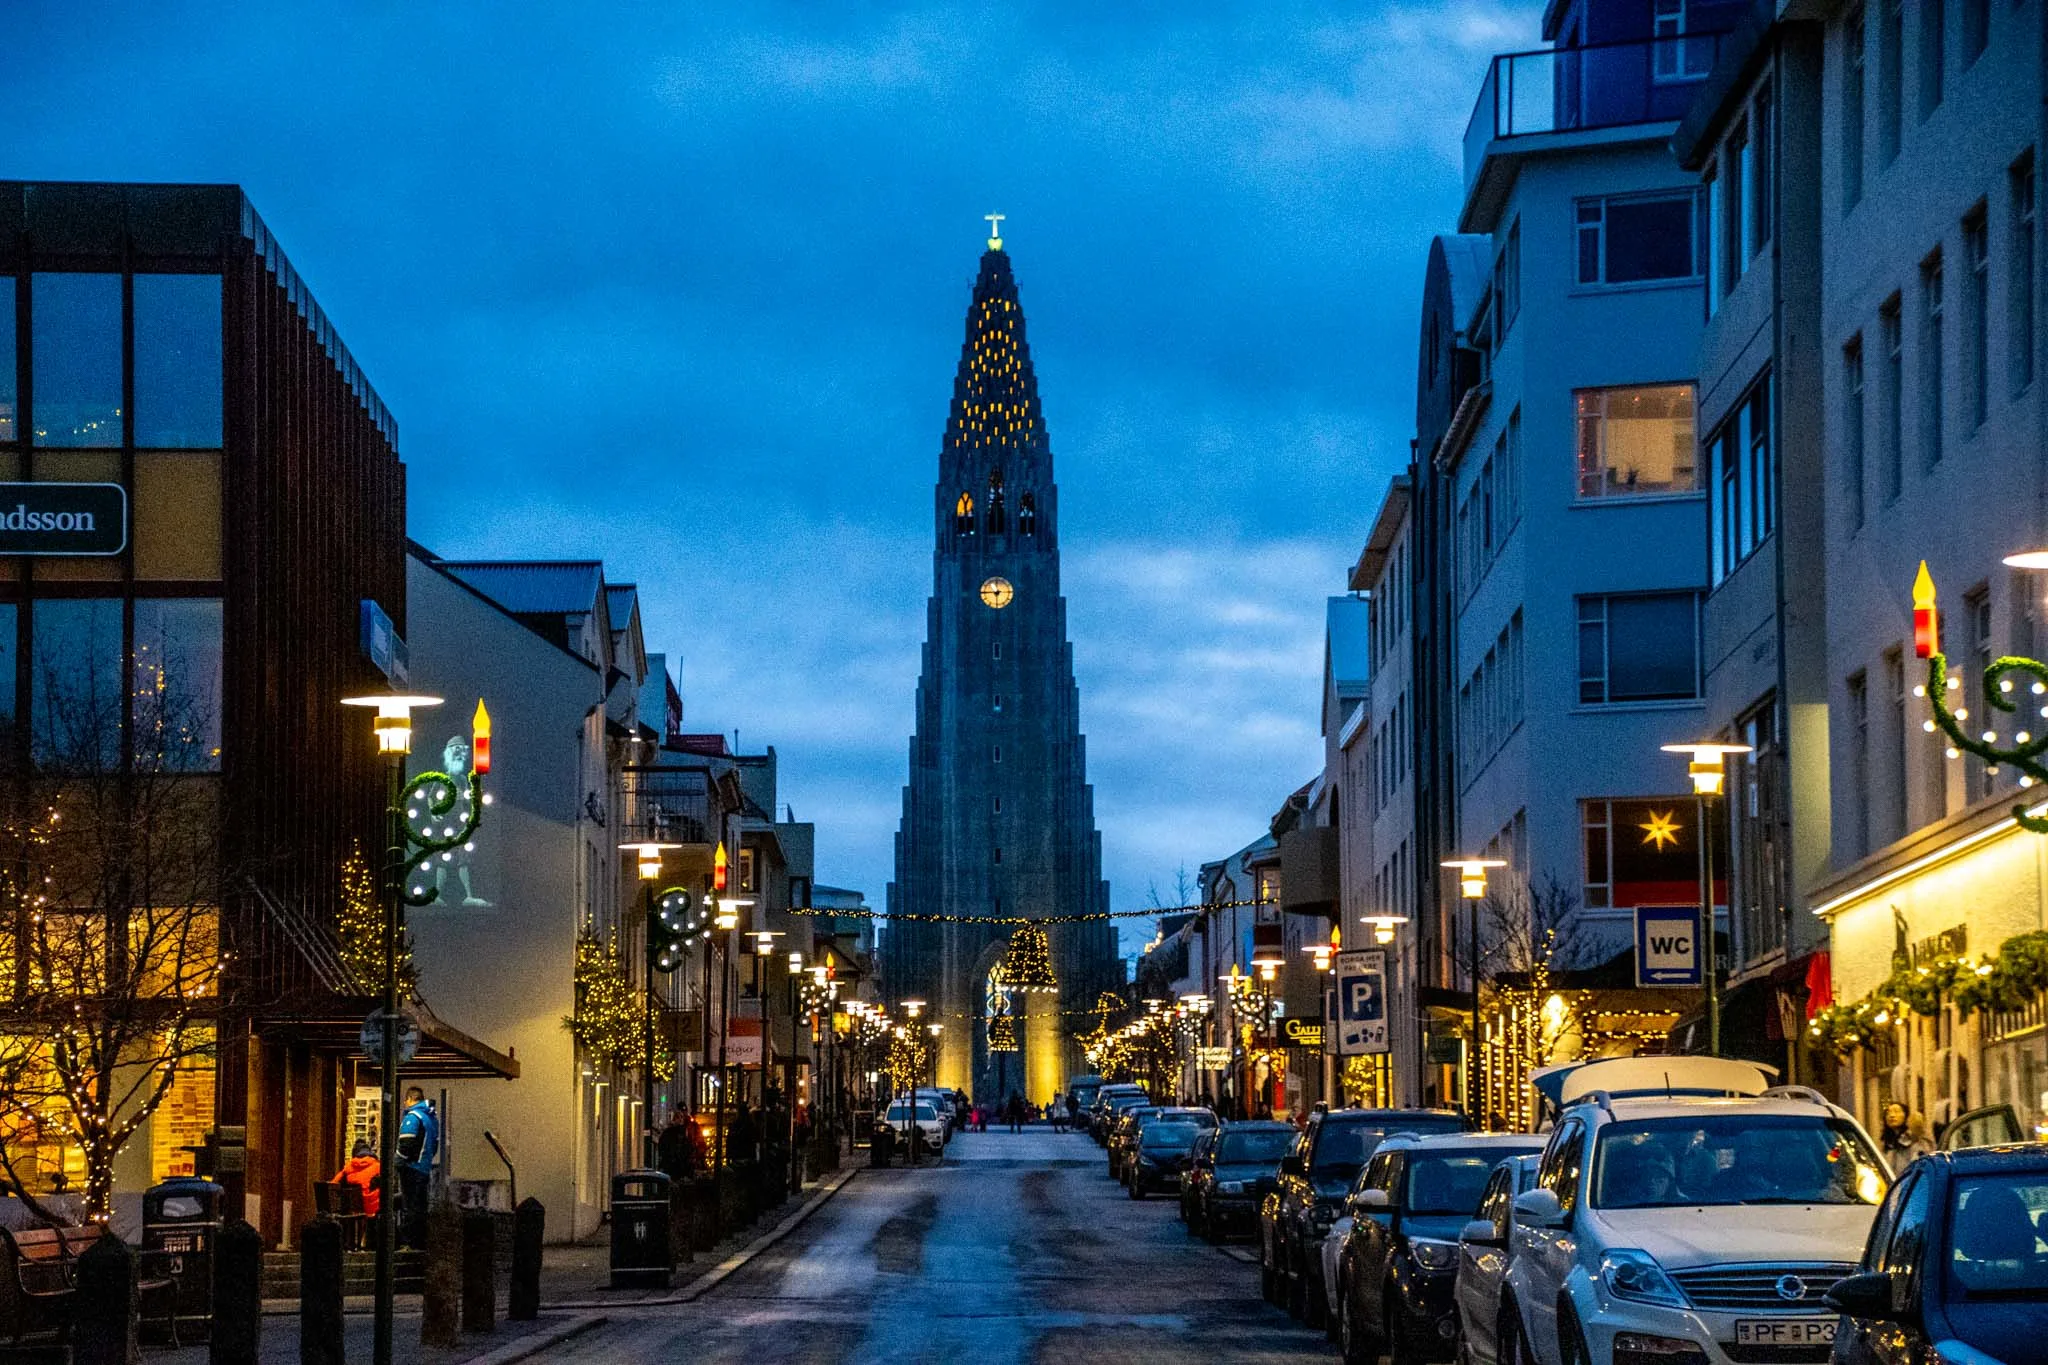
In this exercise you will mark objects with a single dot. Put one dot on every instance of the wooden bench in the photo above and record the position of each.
(37, 1289)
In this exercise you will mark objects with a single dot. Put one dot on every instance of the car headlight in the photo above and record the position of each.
(1635, 1275)
(1230, 1187)
(1431, 1254)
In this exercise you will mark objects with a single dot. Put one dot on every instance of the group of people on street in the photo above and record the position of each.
(419, 1146)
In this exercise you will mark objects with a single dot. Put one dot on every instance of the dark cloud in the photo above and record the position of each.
(683, 285)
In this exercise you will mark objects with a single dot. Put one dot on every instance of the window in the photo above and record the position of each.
(1976, 29)
(1757, 169)
(1891, 327)
(1743, 511)
(9, 431)
(1891, 53)
(1852, 430)
(1717, 215)
(1761, 828)
(1852, 107)
(175, 679)
(998, 805)
(1903, 1253)
(999, 854)
(998, 753)
(1636, 441)
(1931, 360)
(176, 515)
(1507, 280)
(1895, 686)
(177, 361)
(1730, 229)
(1978, 641)
(1642, 647)
(1637, 238)
(75, 680)
(1858, 832)
(1678, 58)
(995, 649)
(1933, 56)
(75, 341)
(1645, 851)
(2019, 309)
(749, 879)
(1976, 317)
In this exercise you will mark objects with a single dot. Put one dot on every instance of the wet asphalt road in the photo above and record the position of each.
(1018, 1249)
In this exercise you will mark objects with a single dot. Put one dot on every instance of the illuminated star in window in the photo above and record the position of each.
(1660, 829)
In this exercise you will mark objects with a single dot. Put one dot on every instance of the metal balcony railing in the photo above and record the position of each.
(668, 805)
(1599, 85)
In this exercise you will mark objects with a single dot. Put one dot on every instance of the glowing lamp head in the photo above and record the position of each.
(818, 974)
(480, 740)
(913, 1008)
(393, 723)
(1268, 970)
(1383, 926)
(1472, 874)
(1706, 766)
(796, 961)
(728, 916)
(647, 857)
(1926, 620)
(764, 941)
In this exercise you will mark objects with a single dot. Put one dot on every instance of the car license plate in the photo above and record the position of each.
(1784, 1331)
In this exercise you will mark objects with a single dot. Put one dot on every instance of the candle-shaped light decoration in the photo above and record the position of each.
(480, 740)
(1926, 624)
(718, 866)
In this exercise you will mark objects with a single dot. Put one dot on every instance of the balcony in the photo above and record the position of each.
(1600, 87)
(668, 805)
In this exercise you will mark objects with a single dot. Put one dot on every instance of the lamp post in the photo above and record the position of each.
(1707, 772)
(934, 1027)
(1472, 890)
(911, 1009)
(728, 919)
(439, 792)
(647, 861)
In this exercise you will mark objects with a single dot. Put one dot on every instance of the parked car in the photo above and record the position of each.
(1124, 1136)
(1396, 1269)
(1956, 1267)
(931, 1124)
(946, 1104)
(1483, 1259)
(1160, 1155)
(1240, 1170)
(1309, 1193)
(1080, 1096)
(1684, 1209)
(1110, 1101)
(1200, 1159)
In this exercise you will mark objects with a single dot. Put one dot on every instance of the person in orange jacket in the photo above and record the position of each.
(362, 1169)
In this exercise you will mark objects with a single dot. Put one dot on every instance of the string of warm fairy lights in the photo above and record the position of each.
(1081, 917)
(610, 1019)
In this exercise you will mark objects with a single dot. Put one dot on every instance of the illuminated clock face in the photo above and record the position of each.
(997, 593)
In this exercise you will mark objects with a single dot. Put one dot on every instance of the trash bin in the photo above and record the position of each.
(181, 1218)
(641, 1254)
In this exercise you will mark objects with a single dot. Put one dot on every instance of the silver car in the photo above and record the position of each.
(1483, 1260)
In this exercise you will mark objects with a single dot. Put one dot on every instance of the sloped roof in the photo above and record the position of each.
(621, 599)
(534, 586)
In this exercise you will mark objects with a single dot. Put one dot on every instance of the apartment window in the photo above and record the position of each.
(1635, 442)
(1760, 832)
(1640, 647)
(1633, 239)
(75, 347)
(1852, 430)
(1933, 53)
(1678, 57)
(2019, 309)
(1757, 170)
(1891, 51)
(1717, 217)
(1977, 316)
(1891, 328)
(1977, 622)
(1507, 278)
(750, 879)
(1730, 228)
(1743, 511)
(177, 361)
(1645, 852)
(1852, 106)
(1895, 688)
(1858, 689)
(1976, 29)
(1932, 376)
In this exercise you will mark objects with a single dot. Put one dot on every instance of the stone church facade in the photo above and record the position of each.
(998, 816)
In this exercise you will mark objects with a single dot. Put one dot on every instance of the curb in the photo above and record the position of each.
(533, 1343)
(719, 1273)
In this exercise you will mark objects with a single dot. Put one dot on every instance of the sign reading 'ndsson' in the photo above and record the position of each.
(63, 519)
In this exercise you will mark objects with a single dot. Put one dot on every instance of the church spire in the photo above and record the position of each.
(996, 469)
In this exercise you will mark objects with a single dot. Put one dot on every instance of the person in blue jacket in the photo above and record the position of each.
(419, 1143)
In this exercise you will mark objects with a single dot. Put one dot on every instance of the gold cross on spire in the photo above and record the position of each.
(995, 230)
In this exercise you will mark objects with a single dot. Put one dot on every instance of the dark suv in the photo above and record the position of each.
(1110, 1101)
(1306, 1199)
(1237, 1171)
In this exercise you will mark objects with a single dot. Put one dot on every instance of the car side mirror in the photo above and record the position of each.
(1863, 1296)
(1290, 1165)
(1539, 1208)
(1369, 1201)
(1481, 1232)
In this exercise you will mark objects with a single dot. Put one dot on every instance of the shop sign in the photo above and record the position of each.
(63, 519)
(743, 1042)
(1212, 1058)
(1304, 1031)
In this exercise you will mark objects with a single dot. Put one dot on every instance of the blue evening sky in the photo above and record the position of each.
(683, 286)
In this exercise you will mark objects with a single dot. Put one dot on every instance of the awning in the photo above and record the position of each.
(445, 1053)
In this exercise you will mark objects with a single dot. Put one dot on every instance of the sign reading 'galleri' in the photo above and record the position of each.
(63, 519)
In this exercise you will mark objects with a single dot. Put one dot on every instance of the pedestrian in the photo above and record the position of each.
(419, 1143)
(1904, 1138)
(676, 1150)
(1016, 1112)
(362, 1169)
(1056, 1113)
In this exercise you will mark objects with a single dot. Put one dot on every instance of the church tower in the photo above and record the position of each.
(998, 816)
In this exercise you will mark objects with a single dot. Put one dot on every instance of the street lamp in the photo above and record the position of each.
(911, 1009)
(1472, 889)
(1707, 772)
(647, 860)
(393, 729)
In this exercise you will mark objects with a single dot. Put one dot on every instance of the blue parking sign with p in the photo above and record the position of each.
(1361, 1002)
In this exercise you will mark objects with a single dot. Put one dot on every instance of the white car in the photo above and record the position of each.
(1483, 1259)
(931, 1125)
(1684, 1210)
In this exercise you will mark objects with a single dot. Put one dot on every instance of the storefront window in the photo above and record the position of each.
(8, 430)
(75, 341)
(177, 361)
(176, 684)
(75, 674)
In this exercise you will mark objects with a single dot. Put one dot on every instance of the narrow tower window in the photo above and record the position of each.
(963, 515)
(999, 853)
(996, 518)
(999, 805)
(999, 702)
(1027, 515)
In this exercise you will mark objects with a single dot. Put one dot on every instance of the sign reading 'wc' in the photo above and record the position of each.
(63, 519)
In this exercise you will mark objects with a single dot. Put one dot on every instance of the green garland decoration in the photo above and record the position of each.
(437, 794)
(2026, 748)
(2010, 979)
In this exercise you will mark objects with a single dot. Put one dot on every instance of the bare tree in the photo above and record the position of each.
(1186, 891)
(110, 958)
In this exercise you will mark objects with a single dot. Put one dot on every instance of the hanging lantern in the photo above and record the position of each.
(1027, 964)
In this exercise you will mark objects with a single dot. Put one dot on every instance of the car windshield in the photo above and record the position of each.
(1998, 1237)
(1734, 1158)
(1201, 1118)
(1446, 1183)
(1343, 1147)
(1265, 1147)
(1169, 1137)
(898, 1112)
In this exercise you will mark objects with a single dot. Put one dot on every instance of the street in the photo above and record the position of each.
(1016, 1250)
